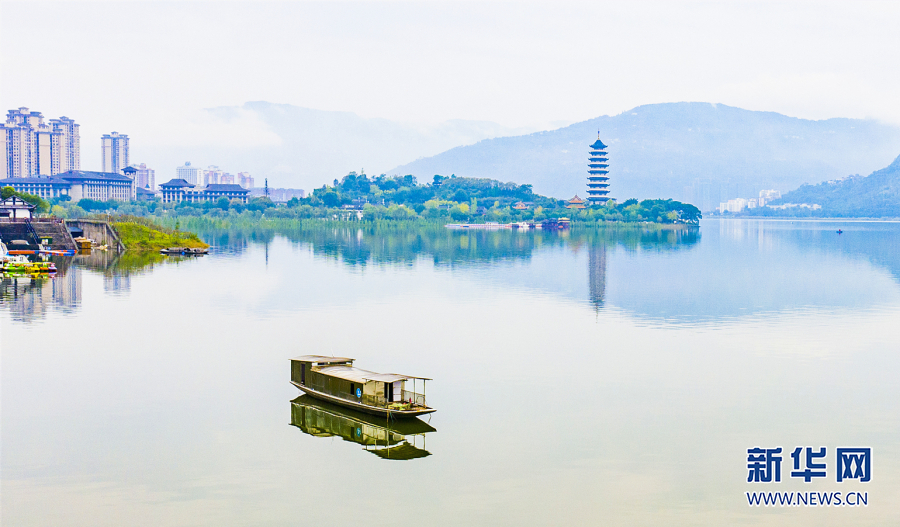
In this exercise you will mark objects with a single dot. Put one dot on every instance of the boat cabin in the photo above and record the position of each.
(338, 378)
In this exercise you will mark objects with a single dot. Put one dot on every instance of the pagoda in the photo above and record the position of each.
(598, 178)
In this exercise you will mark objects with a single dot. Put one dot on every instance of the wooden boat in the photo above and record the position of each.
(195, 251)
(336, 380)
(172, 250)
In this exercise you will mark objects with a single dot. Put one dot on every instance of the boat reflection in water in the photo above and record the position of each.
(399, 439)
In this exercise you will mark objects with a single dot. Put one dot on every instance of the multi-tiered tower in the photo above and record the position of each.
(598, 175)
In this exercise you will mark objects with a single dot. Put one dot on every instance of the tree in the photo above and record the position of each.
(459, 213)
(330, 198)
(260, 204)
(40, 204)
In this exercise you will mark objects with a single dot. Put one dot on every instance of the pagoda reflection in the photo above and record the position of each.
(597, 275)
(397, 439)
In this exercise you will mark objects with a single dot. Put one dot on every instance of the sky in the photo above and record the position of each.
(149, 69)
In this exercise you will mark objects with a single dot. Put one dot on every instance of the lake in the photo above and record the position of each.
(599, 377)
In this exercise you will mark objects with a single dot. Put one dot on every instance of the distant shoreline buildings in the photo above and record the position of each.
(44, 159)
(279, 195)
(212, 175)
(739, 204)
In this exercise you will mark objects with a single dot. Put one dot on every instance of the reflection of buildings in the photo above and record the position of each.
(116, 283)
(388, 440)
(30, 299)
(597, 274)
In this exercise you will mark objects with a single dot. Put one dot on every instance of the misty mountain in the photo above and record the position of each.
(875, 195)
(695, 152)
(305, 148)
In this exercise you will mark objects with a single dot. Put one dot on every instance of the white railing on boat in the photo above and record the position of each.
(413, 397)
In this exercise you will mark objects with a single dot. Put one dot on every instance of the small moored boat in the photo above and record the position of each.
(336, 380)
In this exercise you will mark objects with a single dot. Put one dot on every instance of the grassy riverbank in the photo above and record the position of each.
(143, 234)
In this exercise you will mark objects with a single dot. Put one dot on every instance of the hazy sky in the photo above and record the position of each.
(149, 68)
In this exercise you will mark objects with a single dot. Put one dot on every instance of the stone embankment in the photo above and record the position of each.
(56, 230)
(98, 230)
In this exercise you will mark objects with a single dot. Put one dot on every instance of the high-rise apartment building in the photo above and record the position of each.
(144, 177)
(69, 143)
(115, 152)
(245, 180)
(188, 173)
(32, 148)
(212, 175)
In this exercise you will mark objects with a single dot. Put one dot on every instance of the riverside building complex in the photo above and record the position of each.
(44, 159)
(178, 190)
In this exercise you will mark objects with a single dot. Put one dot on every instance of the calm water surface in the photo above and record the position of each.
(599, 378)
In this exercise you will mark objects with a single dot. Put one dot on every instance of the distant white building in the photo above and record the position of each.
(188, 173)
(245, 180)
(813, 206)
(766, 196)
(144, 177)
(733, 205)
(115, 152)
(212, 175)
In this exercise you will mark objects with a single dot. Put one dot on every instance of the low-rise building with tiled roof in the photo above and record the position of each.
(78, 184)
(178, 190)
(575, 203)
(45, 187)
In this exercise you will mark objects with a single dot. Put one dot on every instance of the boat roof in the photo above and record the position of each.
(402, 452)
(322, 359)
(360, 375)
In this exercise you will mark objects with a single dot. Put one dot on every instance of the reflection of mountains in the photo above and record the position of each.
(877, 244)
(402, 245)
(394, 439)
